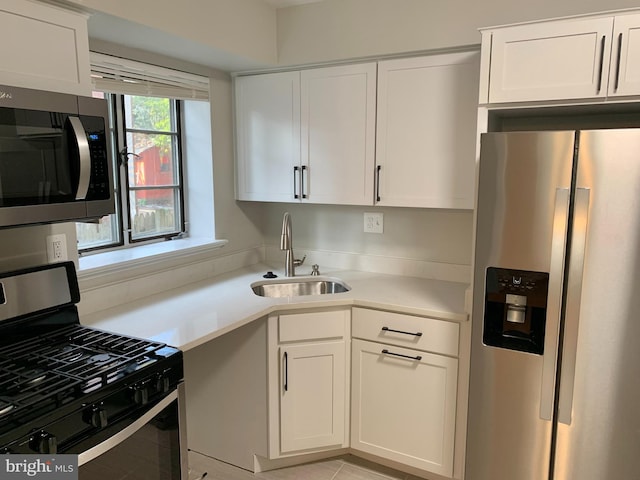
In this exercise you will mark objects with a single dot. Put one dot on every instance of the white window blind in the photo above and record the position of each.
(120, 75)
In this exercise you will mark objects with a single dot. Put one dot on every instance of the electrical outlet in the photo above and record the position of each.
(373, 222)
(56, 248)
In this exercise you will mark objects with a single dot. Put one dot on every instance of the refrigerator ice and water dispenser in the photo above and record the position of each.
(515, 309)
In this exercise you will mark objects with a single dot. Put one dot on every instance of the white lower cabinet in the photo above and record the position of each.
(308, 382)
(403, 400)
(312, 405)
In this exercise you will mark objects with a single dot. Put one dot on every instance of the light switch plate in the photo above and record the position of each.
(373, 222)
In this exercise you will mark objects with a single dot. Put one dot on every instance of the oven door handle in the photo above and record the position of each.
(122, 435)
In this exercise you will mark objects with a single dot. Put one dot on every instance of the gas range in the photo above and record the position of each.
(64, 387)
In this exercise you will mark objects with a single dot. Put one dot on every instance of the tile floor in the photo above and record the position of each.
(345, 467)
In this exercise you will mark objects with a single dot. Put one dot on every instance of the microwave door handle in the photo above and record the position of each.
(85, 157)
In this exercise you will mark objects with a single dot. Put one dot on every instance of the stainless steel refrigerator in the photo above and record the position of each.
(555, 356)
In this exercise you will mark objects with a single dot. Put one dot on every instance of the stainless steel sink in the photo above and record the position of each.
(294, 287)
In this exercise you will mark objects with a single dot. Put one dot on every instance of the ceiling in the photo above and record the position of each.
(289, 3)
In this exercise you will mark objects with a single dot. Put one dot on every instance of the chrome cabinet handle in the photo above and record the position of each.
(600, 68)
(615, 87)
(387, 329)
(295, 192)
(84, 157)
(554, 302)
(387, 352)
(378, 168)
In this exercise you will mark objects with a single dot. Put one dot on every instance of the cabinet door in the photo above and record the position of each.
(625, 67)
(312, 409)
(403, 408)
(267, 136)
(550, 61)
(425, 150)
(338, 134)
(44, 47)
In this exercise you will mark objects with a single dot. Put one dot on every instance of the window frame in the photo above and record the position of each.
(123, 149)
(119, 131)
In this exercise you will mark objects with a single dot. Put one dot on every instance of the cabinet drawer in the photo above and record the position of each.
(419, 333)
(312, 326)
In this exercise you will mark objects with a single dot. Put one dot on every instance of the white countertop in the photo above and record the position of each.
(194, 314)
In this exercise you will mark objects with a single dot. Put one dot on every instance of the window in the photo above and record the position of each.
(148, 183)
(153, 167)
(146, 124)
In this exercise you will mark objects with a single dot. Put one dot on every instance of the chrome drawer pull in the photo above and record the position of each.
(387, 352)
(387, 329)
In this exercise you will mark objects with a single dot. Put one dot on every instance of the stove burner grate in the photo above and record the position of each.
(52, 369)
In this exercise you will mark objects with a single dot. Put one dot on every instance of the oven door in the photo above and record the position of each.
(153, 447)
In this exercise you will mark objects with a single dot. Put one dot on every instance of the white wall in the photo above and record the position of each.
(210, 32)
(428, 234)
(342, 29)
(198, 169)
(233, 222)
(26, 246)
(416, 241)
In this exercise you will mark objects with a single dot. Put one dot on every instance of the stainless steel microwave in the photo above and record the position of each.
(55, 158)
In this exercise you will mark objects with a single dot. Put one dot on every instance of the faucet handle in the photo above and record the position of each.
(297, 262)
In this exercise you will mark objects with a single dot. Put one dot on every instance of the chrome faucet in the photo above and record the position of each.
(286, 244)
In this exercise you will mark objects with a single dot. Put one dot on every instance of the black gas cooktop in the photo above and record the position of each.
(54, 371)
(43, 373)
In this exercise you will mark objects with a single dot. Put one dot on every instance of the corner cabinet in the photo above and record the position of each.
(44, 47)
(308, 382)
(425, 142)
(404, 388)
(591, 58)
(306, 136)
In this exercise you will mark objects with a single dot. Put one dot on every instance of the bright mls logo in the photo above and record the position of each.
(5, 95)
(52, 467)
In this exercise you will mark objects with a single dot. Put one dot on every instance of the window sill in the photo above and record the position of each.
(101, 269)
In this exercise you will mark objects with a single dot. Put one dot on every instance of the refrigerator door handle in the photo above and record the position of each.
(554, 302)
(572, 309)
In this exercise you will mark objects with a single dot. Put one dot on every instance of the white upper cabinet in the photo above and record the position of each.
(587, 58)
(44, 48)
(338, 134)
(397, 133)
(555, 60)
(425, 143)
(307, 136)
(624, 78)
(267, 136)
